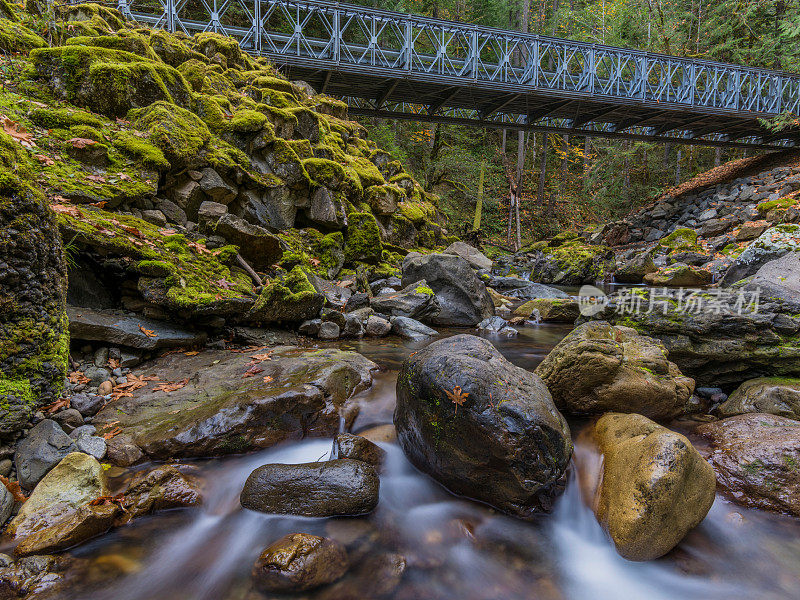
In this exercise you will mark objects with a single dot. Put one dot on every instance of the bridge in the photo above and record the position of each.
(395, 65)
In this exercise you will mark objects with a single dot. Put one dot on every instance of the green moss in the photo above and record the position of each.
(15, 37)
(423, 289)
(128, 41)
(86, 132)
(172, 50)
(247, 121)
(292, 299)
(680, 240)
(780, 203)
(180, 134)
(19, 389)
(63, 118)
(156, 268)
(363, 239)
(142, 151)
(416, 212)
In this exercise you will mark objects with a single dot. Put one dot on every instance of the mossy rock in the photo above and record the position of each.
(172, 50)
(210, 44)
(178, 133)
(570, 262)
(363, 239)
(682, 239)
(128, 41)
(15, 37)
(63, 118)
(290, 300)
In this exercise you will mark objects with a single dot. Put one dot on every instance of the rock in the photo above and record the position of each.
(380, 434)
(209, 213)
(679, 275)
(328, 330)
(173, 212)
(714, 227)
(156, 217)
(743, 340)
(69, 419)
(76, 480)
(348, 445)
(650, 487)
(750, 230)
(568, 261)
(97, 375)
(124, 330)
(310, 327)
(82, 430)
(323, 489)
(188, 197)
(104, 389)
(122, 450)
(43, 448)
(778, 279)
(92, 445)
(221, 412)
(416, 301)
(756, 458)
(550, 309)
(497, 326)
(353, 327)
(635, 269)
(79, 525)
(6, 504)
(409, 329)
(377, 576)
(216, 187)
(465, 415)
(599, 367)
(522, 289)
(162, 488)
(256, 244)
(377, 326)
(462, 297)
(773, 395)
(475, 258)
(87, 404)
(772, 244)
(299, 562)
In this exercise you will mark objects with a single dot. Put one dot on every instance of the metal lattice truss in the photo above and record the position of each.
(394, 64)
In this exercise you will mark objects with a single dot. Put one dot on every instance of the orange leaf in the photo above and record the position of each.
(457, 396)
(45, 160)
(192, 353)
(56, 406)
(78, 377)
(148, 332)
(14, 488)
(170, 386)
(267, 379)
(78, 142)
(72, 211)
(253, 371)
(114, 432)
(16, 131)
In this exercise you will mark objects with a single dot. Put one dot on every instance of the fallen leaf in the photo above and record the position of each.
(78, 142)
(260, 357)
(78, 377)
(192, 353)
(100, 204)
(253, 371)
(457, 396)
(16, 131)
(113, 363)
(267, 379)
(45, 160)
(56, 406)
(148, 332)
(114, 432)
(119, 500)
(314, 262)
(170, 386)
(72, 211)
(96, 178)
(14, 489)
(224, 283)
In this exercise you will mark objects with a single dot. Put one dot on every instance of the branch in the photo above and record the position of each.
(243, 263)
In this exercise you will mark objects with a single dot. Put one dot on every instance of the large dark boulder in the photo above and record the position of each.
(770, 245)
(342, 486)
(416, 301)
(481, 426)
(34, 341)
(462, 297)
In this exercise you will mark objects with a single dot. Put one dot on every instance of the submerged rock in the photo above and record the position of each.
(79, 525)
(410, 329)
(757, 460)
(299, 562)
(650, 486)
(773, 395)
(462, 297)
(497, 326)
(555, 310)
(288, 394)
(465, 415)
(599, 367)
(336, 487)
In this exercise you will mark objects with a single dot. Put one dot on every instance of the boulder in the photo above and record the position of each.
(209, 213)
(650, 487)
(772, 244)
(43, 448)
(522, 289)
(321, 489)
(79, 525)
(600, 367)
(76, 480)
(410, 329)
(750, 230)
(377, 326)
(222, 410)
(6, 504)
(162, 488)
(497, 326)
(462, 297)
(635, 269)
(120, 329)
(568, 261)
(778, 279)
(416, 301)
(215, 187)
(757, 460)
(348, 445)
(299, 562)
(477, 259)
(465, 415)
(679, 275)
(772, 395)
(256, 244)
(554, 310)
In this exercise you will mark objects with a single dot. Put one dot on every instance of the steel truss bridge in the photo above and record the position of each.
(395, 65)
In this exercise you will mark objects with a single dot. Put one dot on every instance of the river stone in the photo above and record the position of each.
(87, 404)
(161, 488)
(475, 447)
(635, 269)
(719, 348)
(496, 326)
(328, 330)
(74, 528)
(477, 259)
(522, 289)
(555, 310)
(6, 504)
(410, 329)
(779, 279)
(757, 460)
(650, 487)
(772, 244)
(320, 489)
(43, 448)
(599, 367)
(348, 445)
(220, 411)
(299, 562)
(462, 297)
(91, 444)
(74, 481)
(377, 326)
(773, 395)
(124, 330)
(416, 301)
(679, 275)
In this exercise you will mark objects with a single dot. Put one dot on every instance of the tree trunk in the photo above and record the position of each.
(476, 225)
(717, 156)
(564, 166)
(587, 150)
(518, 188)
(678, 168)
(542, 171)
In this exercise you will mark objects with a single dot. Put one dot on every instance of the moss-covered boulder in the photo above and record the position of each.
(568, 261)
(556, 310)
(773, 395)
(34, 339)
(770, 245)
(679, 275)
(363, 239)
(290, 300)
(15, 37)
(680, 240)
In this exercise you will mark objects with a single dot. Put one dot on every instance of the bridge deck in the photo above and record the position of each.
(397, 65)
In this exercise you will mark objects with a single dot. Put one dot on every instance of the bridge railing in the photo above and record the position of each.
(366, 40)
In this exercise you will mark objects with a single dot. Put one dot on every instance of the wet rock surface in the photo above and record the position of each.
(772, 395)
(341, 486)
(299, 562)
(465, 414)
(599, 367)
(43, 448)
(290, 393)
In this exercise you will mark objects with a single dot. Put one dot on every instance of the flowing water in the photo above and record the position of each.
(453, 548)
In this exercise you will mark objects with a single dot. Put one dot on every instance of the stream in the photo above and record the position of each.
(453, 548)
